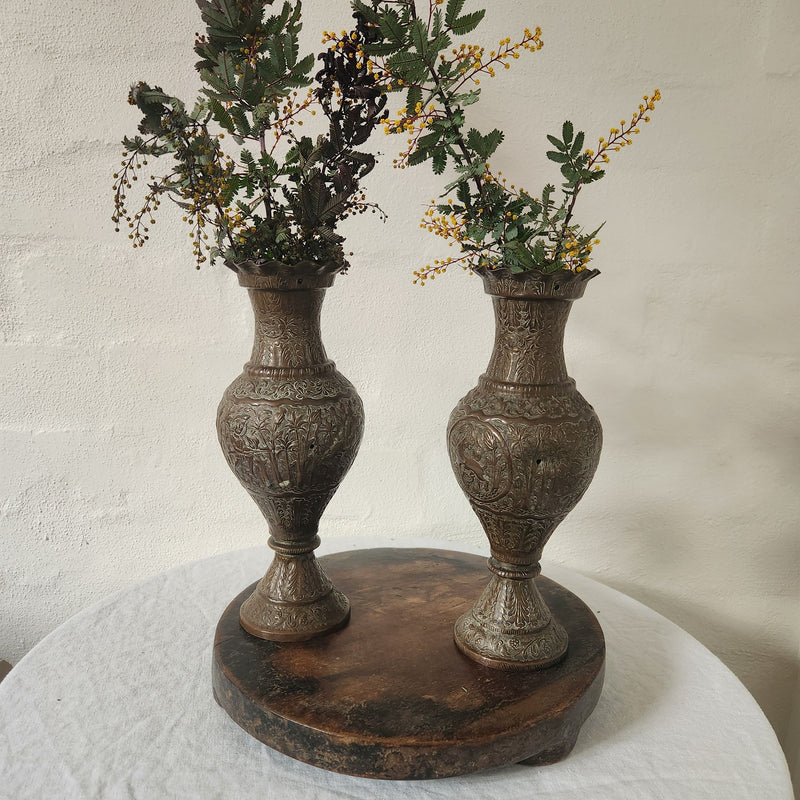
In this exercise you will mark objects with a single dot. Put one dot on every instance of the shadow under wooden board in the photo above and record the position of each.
(390, 696)
(5, 668)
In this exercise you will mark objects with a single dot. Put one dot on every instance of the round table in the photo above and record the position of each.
(116, 703)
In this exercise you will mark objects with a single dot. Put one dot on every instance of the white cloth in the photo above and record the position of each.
(116, 704)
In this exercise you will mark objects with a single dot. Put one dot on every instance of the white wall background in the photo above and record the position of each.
(112, 360)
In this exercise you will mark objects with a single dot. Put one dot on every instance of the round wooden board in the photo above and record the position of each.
(390, 696)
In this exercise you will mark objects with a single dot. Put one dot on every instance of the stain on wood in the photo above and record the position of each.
(390, 696)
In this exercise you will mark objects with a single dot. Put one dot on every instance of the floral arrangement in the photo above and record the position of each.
(277, 196)
(495, 225)
(280, 196)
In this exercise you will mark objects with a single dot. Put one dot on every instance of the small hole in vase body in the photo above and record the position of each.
(299, 281)
(556, 287)
(538, 461)
(311, 446)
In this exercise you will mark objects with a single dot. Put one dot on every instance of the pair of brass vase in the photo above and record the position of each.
(524, 446)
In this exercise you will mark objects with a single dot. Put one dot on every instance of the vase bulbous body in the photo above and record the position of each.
(524, 446)
(290, 427)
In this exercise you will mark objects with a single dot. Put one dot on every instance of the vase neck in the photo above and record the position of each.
(529, 340)
(287, 329)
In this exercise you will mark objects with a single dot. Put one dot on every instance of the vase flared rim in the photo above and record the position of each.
(561, 285)
(272, 274)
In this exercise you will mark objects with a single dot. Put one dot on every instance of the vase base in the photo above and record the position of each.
(390, 696)
(495, 660)
(294, 622)
(510, 626)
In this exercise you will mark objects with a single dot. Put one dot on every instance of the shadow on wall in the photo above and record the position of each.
(770, 672)
(697, 493)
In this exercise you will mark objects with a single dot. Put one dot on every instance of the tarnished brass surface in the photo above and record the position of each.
(290, 426)
(524, 445)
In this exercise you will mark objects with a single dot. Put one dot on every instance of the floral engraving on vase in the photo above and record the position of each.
(297, 580)
(553, 445)
(481, 459)
(510, 626)
(543, 647)
(310, 617)
(276, 448)
(311, 388)
(522, 345)
(292, 340)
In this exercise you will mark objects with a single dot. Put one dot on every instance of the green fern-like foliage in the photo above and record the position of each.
(253, 190)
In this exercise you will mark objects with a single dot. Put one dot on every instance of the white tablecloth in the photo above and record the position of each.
(116, 704)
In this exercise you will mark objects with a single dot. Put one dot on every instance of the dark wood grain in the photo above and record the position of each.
(390, 696)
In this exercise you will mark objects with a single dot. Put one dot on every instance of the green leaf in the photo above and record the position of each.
(454, 183)
(437, 25)
(453, 10)
(484, 146)
(577, 145)
(518, 257)
(559, 158)
(369, 14)
(226, 70)
(269, 164)
(417, 157)
(304, 66)
(413, 97)
(429, 139)
(539, 252)
(221, 115)
(419, 36)
(474, 139)
(382, 48)
(224, 13)
(467, 23)
(491, 142)
(276, 53)
(556, 142)
(240, 118)
(291, 51)
(590, 236)
(467, 98)
(566, 132)
(409, 66)
(391, 26)
(546, 194)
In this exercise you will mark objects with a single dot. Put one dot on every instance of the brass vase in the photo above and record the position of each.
(290, 426)
(524, 445)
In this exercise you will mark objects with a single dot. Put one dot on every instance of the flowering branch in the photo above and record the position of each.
(493, 224)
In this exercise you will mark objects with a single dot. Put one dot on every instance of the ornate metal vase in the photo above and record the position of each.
(290, 426)
(524, 445)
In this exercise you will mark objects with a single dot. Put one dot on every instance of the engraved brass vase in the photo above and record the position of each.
(524, 445)
(290, 427)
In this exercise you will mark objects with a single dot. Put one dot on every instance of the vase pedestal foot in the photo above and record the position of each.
(510, 650)
(510, 626)
(295, 601)
(389, 695)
